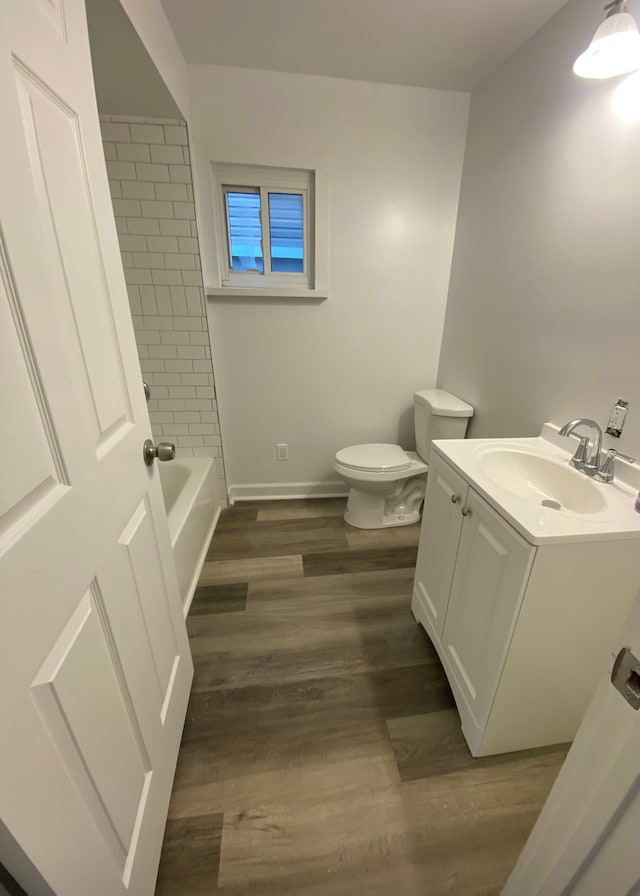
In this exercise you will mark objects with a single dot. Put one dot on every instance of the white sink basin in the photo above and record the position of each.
(530, 483)
(552, 484)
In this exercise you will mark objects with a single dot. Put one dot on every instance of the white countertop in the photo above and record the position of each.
(615, 519)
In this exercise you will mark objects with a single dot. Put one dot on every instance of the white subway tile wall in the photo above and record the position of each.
(149, 170)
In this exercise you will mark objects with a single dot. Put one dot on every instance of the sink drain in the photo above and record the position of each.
(554, 505)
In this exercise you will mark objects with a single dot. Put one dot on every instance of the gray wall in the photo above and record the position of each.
(322, 375)
(543, 314)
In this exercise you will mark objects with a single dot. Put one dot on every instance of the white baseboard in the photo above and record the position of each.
(281, 491)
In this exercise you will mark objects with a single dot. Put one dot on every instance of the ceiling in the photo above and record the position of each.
(425, 43)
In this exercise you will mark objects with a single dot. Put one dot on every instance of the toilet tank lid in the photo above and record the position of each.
(443, 404)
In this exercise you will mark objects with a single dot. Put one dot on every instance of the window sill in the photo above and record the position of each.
(248, 292)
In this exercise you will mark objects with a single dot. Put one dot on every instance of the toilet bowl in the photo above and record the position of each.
(387, 484)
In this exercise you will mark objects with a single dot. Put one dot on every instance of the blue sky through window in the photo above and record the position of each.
(286, 217)
(245, 231)
(286, 224)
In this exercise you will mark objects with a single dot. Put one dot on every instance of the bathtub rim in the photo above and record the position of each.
(200, 469)
(191, 590)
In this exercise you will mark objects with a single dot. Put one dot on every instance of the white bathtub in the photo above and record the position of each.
(190, 492)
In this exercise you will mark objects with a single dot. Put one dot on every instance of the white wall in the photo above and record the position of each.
(323, 375)
(543, 316)
(126, 78)
(150, 21)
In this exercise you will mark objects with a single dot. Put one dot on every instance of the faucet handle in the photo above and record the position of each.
(581, 456)
(629, 460)
(606, 469)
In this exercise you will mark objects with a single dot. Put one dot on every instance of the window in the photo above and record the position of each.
(265, 227)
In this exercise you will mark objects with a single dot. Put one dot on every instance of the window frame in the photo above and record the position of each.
(264, 180)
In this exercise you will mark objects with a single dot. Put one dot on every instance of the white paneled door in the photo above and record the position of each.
(95, 668)
(585, 842)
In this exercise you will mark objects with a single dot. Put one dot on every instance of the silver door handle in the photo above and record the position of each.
(163, 451)
(147, 390)
(465, 511)
(625, 677)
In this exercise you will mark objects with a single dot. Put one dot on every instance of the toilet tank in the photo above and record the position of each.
(438, 415)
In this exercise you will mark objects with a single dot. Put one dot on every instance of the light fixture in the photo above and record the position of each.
(615, 48)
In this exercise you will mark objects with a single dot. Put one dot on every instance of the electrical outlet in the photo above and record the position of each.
(616, 420)
(282, 451)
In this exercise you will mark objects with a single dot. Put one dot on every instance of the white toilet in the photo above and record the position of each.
(388, 483)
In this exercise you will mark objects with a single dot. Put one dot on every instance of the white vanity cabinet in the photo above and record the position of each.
(439, 536)
(522, 630)
(490, 575)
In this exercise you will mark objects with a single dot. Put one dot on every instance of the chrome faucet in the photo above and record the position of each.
(583, 460)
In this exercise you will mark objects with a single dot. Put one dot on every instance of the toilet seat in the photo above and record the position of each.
(374, 458)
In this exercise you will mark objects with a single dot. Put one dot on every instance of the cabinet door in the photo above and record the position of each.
(441, 524)
(489, 580)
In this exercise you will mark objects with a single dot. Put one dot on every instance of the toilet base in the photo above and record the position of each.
(401, 508)
(388, 519)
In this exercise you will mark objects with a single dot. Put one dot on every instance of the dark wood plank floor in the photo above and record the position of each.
(322, 752)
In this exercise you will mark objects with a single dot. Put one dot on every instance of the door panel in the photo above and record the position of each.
(55, 152)
(439, 537)
(54, 12)
(140, 544)
(585, 842)
(32, 452)
(491, 573)
(95, 668)
(91, 716)
(619, 852)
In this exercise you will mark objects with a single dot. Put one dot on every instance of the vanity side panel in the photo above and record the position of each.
(568, 628)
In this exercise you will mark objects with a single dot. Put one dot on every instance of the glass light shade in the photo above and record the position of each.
(614, 50)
